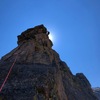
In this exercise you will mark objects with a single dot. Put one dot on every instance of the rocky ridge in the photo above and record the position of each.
(39, 73)
(96, 92)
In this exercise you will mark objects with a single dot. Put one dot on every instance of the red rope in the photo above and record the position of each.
(8, 74)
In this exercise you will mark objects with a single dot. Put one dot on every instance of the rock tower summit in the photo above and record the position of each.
(38, 73)
(34, 46)
(38, 34)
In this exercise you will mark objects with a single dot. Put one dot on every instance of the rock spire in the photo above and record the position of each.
(39, 73)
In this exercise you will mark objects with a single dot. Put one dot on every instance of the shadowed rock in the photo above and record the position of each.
(38, 73)
(96, 91)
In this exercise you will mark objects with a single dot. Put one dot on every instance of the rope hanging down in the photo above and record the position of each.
(8, 75)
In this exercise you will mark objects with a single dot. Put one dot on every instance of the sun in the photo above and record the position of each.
(51, 37)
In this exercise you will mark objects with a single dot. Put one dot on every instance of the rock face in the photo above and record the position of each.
(38, 73)
(96, 91)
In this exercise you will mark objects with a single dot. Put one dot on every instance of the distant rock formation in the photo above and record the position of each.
(96, 91)
(39, 73)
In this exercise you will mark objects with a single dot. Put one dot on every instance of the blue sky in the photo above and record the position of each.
(75, 25)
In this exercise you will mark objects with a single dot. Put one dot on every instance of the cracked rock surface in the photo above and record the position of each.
(39, 73)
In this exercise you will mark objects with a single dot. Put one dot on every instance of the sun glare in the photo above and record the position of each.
(51, 37)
